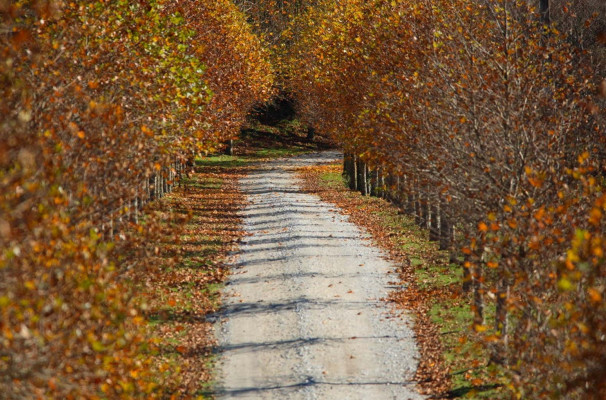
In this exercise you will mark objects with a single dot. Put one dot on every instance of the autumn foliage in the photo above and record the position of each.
(102, 101)
(485, 119)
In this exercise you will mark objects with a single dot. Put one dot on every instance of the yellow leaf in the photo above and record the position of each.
(583, 157)
(583, 328)
(572, 256)
(565, 285)
(97, 346)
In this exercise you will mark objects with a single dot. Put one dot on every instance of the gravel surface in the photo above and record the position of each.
(303, 315)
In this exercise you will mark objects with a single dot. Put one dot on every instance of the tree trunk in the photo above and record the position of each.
(353, 185)
(346, 169)
(417, 200)
(396, 193)
(374, 182)
(478, 297)
(367, 179)
(311, 133)
(391, 187)
(434, 223)
(229, 150)
(423, 209)
(361, 183)
(467, 274)
(166, 179)
(158, 186)
(410, 197)
(445, 228)
(137, 205)
(151, 186)
(501, 310)
(544, 11)
(381, 182)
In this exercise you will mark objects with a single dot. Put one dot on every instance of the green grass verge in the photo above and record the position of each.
(280, 152)
(226, 161)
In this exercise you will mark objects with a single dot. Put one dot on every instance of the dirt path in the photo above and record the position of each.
(303, 317)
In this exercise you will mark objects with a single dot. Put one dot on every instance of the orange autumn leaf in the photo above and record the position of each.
(594, 295)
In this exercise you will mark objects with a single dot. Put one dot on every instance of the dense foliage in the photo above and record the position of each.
(98, 99)
(492, 112)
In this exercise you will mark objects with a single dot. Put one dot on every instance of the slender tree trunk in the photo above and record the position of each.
(229, 149)
(501, 308)
(501, 351)
(478, 295)
(424, 209)
(410, 197)
(359, 170)
(362, 184)
(434, 223)
(544, 11)
(354, 173)
(374, 181)
(137, 204)
(159, 185)
(453, 254)
(417, 200)
(311, 133)
(151, 186)
(467, 274)
(397, 190)
(389, 182)
(445, 230)
(381, 182)
(367, 174)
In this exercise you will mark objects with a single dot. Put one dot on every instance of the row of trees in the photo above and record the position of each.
(486, 118)
(102, 103)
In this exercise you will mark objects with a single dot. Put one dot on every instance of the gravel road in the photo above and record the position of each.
(303, 315)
